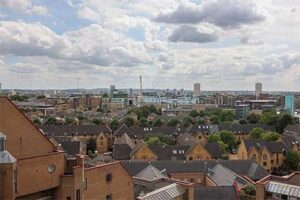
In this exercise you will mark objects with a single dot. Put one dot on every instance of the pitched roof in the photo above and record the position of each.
(273, 147)
(141, 132)
(123, 147)
(293, 128)
(289, 141)
(125, 139)
(244, 167)
(215, 193)
(150, 173)
(2, 136)
(214, 149)
(121, 130)
(170, 152)
(71, 147)
(71, 130)
(200, 128)
(186, 139)
(6, 157)
(223, 176)
(168, 192)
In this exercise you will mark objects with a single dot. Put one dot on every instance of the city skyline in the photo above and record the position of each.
(171, 44)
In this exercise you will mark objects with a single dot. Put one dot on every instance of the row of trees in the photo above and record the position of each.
(280, 121)
(259, 133)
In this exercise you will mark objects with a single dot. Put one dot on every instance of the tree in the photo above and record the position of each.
(224, 147)
(283, 121)
(253, 118)
(114, 125)
(193, 113)
(187, 121)
(256, 133)
(37, 121)
(158, 122)
(227, 137)
(51, 121)
(213, 138)
(226, 116)
(200, 121)
(269, 117)
(68, 120)
(242, 121)
(91, 145)
(143, 122)
(173, 122)
(97, 121)
(292, 161)
(250, 189)
(154, 140)
(129, 121)
(41, 96)
(270, 136)
(105, 95)
(214, 119)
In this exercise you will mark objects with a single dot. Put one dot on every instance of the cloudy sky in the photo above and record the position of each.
(223, 44)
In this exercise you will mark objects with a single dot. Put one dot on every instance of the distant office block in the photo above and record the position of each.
(196, 89)
(289, 104)
(258, 89)
(242, 111)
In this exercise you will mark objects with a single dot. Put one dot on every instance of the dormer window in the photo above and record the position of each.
(2, 144)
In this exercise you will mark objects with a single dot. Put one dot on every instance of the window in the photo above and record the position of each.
(272, 161)
(85, 184)
(199, 137)
(78, 195)
(265, 164)
(2, 145)
(108, 178)
(190, 158)
(68, 198)
(265, 156)
(15, 181)
(109, 197)
(101, 138)
(254, 156)
(198, 180)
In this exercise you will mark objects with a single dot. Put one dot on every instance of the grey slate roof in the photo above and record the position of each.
(289, 141)
(186, 139)
(71, 130)
(273, 147)
(170, 152)
(214, 149)
(168, 192)
(2, 136)
(223, 176)
(6, 157)
(244, 167)
(295, 128)
(71, 147)
(150, 173)
(123, 147)
(215, 193)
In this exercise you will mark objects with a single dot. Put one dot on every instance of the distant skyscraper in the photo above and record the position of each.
(0, 87)
(112, 89)
(289, 104)
(196, 89)
(258, 89)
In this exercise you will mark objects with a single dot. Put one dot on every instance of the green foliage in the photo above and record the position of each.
(144, 111)
(269, 118)
(213, 138)
(41, 96)
(80, 117)
(18, 97)
(37, 121)
(283, 121)
(214, 119)
(226, 116)
(51, 121)
(158, 122)
(193, 113)
(253, 118)
(129, 121)
(200, 121)
(100, 109)
(227, 137)
(97, 121)
(292, 161)
(224, 147)
(250, 189)
(154, 140)
(163, 139)
(270, 136)
(115, 124)
(105, 95)
(242, 121)
(173, 122)
(187, 121)
(256, 133)
(68, 120)
(143, 122)
(91, 145)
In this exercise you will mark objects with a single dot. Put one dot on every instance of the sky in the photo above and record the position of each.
(222, 44)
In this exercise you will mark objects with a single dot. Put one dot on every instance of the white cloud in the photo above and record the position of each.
(24, 6)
